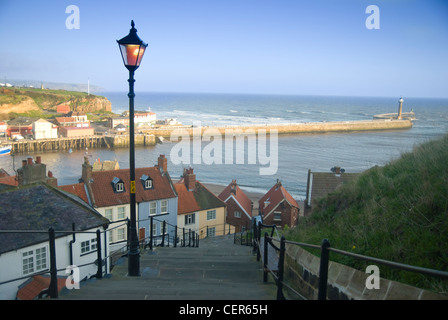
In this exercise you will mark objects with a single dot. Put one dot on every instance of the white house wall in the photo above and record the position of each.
(11, 262)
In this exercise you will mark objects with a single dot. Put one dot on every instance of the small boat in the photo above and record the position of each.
(5, 150)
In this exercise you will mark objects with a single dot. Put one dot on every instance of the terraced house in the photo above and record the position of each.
(108, 192)
(29, 209)
(199, 209)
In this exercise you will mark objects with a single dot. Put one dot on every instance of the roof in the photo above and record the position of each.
(105, 195)
(38, 207)
(323, 183)
(274, 197)
(77, 189)
(31, 289)
(238, 195)
(200, 198)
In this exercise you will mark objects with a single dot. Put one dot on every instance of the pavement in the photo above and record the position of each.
(216, 270)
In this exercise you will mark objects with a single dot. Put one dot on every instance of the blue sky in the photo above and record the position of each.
(318, 47)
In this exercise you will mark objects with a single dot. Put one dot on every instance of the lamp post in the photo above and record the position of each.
(132, 49)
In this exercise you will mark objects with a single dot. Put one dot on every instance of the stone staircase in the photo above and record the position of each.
(216, 270)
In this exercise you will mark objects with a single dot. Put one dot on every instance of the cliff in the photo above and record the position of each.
(24, 100)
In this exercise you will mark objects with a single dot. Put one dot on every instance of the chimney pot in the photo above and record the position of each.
(30, 160)
(38, 159)
(50, 174)
(23, 163)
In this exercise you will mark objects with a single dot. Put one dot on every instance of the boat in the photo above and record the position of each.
(5, 150)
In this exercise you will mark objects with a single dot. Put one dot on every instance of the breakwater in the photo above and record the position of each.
(150, 136)
(290, 128)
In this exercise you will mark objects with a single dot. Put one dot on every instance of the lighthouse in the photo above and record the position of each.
(400, 108)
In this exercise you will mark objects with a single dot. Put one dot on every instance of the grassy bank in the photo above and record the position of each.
(398, 212)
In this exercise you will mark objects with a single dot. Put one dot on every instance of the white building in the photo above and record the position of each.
(43, 129)
(24, 254)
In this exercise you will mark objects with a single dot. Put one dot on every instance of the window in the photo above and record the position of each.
(152, 208)
(154, 229)
(211, 215)
(108, 214)
(120, 187)
(34, 260)
(237, 214)
(146, 181)
(164, 206)
(88, 246)
(189, 218)
(121, 234)
(277, 216)
(211, 232)
(121, 213)
(118, 184)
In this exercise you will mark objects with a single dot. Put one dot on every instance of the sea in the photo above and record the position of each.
(291, 157)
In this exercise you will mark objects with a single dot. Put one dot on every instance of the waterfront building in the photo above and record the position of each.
(22, 126)
(43, 129)
(278, 207)
(239, 207)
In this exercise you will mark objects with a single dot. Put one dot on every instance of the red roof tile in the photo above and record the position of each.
(104, 194)
(241, 198)
(186, 202)
(274, 197)
(31, 289)
(77, 189)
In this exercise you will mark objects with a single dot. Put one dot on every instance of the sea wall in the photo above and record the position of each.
(344, 283)
(292, 128)
(118, 141)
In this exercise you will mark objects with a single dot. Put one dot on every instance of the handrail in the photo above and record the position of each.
(325, 249)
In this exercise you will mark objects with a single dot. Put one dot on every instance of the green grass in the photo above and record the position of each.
(398, 212)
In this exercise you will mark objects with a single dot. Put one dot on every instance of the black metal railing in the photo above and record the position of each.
(277, 269)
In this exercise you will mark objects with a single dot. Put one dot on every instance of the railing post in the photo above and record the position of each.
(183, 236)
(175, 237)
(53, 288)
(265, 258)
(281, 264)
(150, 232)
(99, 273)
(189, 237)
(323, 270)
(163, 232)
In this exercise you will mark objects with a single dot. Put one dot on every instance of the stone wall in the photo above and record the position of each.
(123, 140)
(344, 283)
(292, 128)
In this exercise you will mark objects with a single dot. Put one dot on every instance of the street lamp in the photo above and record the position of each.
(132, 49)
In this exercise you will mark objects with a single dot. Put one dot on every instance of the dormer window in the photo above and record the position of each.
(146, 181)
(118, 184)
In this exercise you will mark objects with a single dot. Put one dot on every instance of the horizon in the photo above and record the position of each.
(260, 47)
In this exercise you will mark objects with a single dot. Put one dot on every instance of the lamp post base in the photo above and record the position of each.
(134, 263)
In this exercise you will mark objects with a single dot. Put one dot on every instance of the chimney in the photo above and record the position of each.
(162, 163)
(87, 169)
(31, 172)
(51, 180)
(189, 179)
(233, 187)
